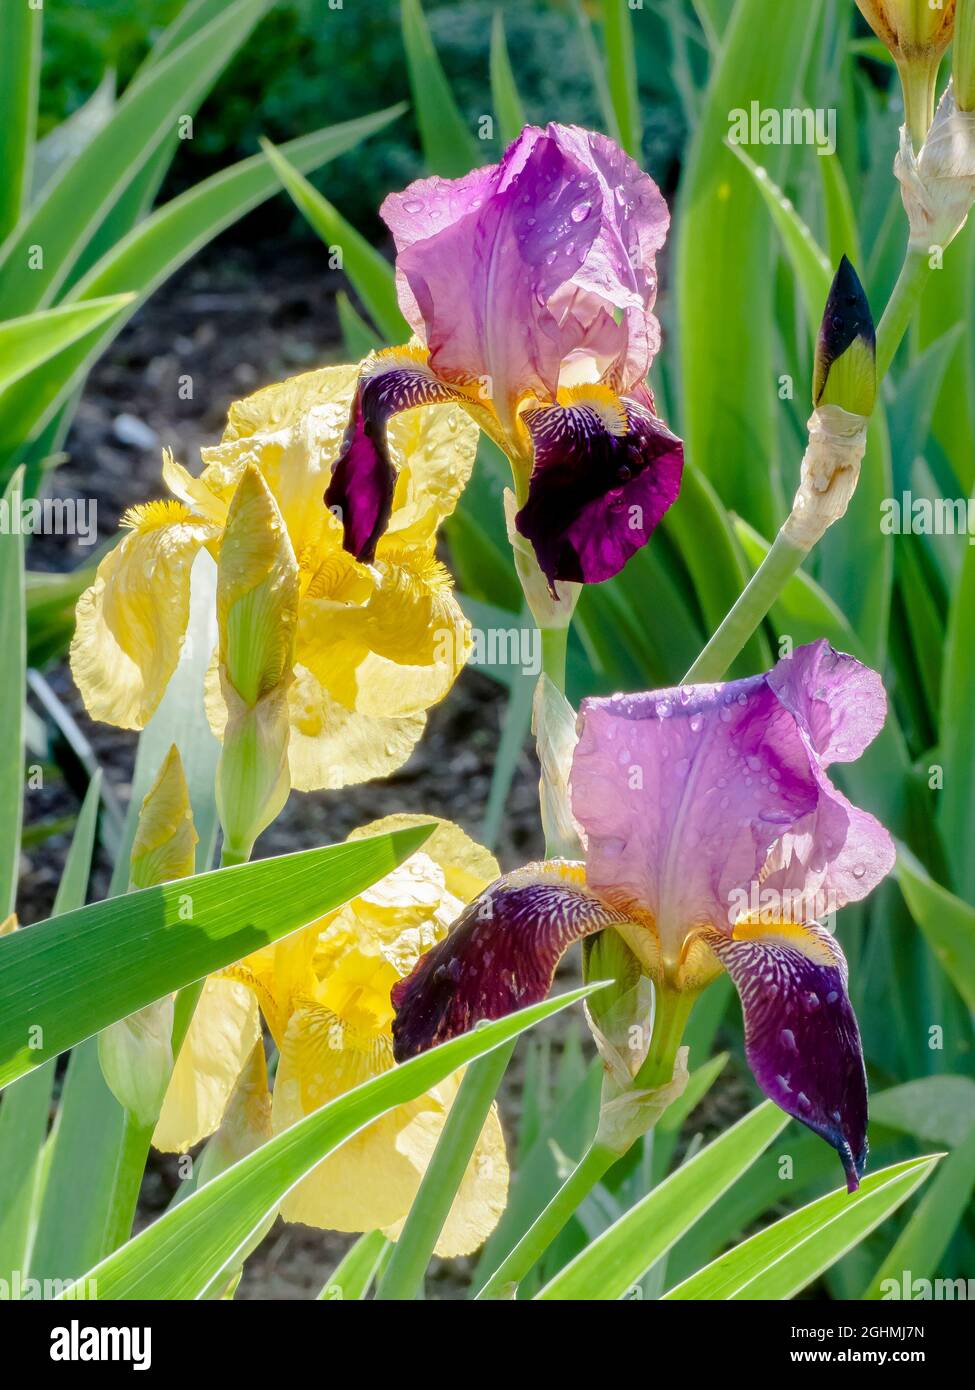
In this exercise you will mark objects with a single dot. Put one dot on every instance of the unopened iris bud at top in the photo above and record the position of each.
(844, 394)
(963, 56)
(845, 371)
(918, 33)
(257, 608)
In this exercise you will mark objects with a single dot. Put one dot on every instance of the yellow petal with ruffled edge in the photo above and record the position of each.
(372, 1180)
(483, 1191)
(433, 450)
(130, 623)
(468, 867)
(398, 653)
(218, 1043)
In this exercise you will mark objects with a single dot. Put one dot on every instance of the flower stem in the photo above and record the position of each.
(919, 83)
(403, 1278)
(672, 1009)
(901, 306)
(127, 1181)
(593, 1166)
(750, 610)
(555, 641)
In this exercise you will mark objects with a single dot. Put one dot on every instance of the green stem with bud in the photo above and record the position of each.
(784, 558)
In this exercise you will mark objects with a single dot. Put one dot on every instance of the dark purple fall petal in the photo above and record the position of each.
(499, 956)
(363, 480)
(801, 1035)
(606, 470)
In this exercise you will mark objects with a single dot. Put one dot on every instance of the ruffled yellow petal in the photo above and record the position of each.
(433, 449)
(372, 1179)
(483, 1191)
(468, 867)
(131, 622)
(399, 652)
(367, 1182)
(332, 746)
(219, 1041)
(247, 1121)
(292, 431)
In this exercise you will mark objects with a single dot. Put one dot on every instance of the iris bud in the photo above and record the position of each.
(257, 609)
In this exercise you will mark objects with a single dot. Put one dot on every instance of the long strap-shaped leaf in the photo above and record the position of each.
(183, 1253)
(25, 1108)
(160, 245)
(27, 342)
(621, 1255)
(20, 61)
(67, 978)
(13, 644)
(779, 1261)
(40, 253)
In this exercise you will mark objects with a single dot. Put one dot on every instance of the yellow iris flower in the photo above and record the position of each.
(375, 645)
(325, 993)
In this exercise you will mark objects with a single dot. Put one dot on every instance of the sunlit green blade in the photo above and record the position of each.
(725, 256)
(448, 145)
(156, 248)
(85, 970)
(508, 110)
(36, 261)
(621, 74)
(13, 644)
(25, 1107)
(182, 1253)
(956, 803)
(926, 1237)
(353, 1276)
(25, 343)
(622, 1255)
(782, 1259)
(809, 262)
(66, 141)
(947, 921)
(936, 1109)
(359, 337)
(20, 61)
(370, 273)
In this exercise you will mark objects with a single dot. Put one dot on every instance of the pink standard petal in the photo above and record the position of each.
(507, 272)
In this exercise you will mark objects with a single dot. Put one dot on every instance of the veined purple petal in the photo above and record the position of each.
(701, 803)
(500, 955)
(801, 1035)
(363, 479)
(606, 469)
(511, 270)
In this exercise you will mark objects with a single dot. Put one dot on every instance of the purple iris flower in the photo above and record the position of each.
(530, 285)
(714, 840)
